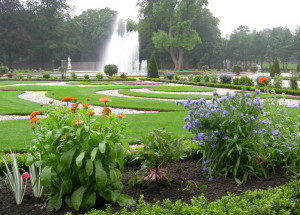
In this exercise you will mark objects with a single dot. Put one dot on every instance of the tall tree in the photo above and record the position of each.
(14, 37)
(176, 33)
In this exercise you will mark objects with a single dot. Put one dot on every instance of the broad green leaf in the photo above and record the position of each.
(79, 159)
(84, 179)
(68, 201)
(94, 153)
(67, 157)
(68, 184)
(46, 176)
(29, 160)
(89, 200)
(100, 174)
(55, 202)
(110, 195)
(113, 176)
(38, 163)
(86, 128)
(76, 198)
(125, 200)
(89, 167)
(102, 146)
(119, 186)
(119, 150)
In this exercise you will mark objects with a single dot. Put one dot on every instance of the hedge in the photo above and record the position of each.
(66, 80)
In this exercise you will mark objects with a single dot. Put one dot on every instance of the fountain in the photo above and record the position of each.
(123, 51)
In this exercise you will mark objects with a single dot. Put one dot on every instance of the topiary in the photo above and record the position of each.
(275, 70)
(86, 76)
(246, 81)
(99, 76)
(237, 68)
(111, 69)
(46, 75)
(198, 78)
(152, 68)
(3, 69)
(225, 78)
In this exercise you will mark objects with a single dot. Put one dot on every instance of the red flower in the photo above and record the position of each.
(25, 175)
(33, 114)
(67, 99)
(260, 159)
(106, 112)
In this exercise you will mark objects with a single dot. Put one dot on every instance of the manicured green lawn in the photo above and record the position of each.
(20, 82)
(113, 83)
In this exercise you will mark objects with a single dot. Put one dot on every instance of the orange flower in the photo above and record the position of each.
(85, 105)
(33, 114)
(260, 159)
(106, 112)
(67, 99)
(121, 115)
(34, 119)
(105, 100)
(74, 105)
(33, 127)
(78, 122)
(92, 113)
(52, 93)
(65, 136)
(263, 80)
(74, 99)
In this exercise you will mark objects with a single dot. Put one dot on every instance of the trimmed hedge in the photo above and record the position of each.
(279, 200)
(66, 80)
(229, 86)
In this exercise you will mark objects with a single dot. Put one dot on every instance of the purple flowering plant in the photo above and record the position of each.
(229, 132)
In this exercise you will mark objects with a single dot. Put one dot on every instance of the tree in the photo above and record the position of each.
(152, 68)
(258, 46)
(176, 27)
(275, 70)
(14, 37)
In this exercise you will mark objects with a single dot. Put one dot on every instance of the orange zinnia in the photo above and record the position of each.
(67, 99)
(121, 115)
(33, 127)
(65, 136)
(105, 100)
(92, 113)
(106, 112)
(263, 80)
(74, 105)
(74, 99)
(78, 122)
(34, 119)
(52, 93)
(260, 159)
(85, 105)
(33, 114)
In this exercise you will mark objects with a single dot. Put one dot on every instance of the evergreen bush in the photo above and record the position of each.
(152, 68)
(225, 79)
(86, 76)
(246, 81)
(99, 76)
(275, 69)
(73, 75)
(46, 75)
(198, 78)
(236, 81)
(3, 69)
(111, 69)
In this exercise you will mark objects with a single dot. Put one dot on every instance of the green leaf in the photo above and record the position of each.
(67, 157)
(86, 128)
(67, 183)
(29, 160)
(46, 176)
(76, 197)
(89, 200)
(110, 195)
(84, 179)
(68, 201)
(112, 176)
(55, 201)
(89, 167)
(102, 146)
(94, 153)
(125, 200)
(79, 159)
(100, 175)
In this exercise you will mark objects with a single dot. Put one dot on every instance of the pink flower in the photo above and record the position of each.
(25, 175)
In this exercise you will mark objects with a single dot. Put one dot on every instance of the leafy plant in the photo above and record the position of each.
(225, 78)
(86, 76)
(177, 77)
(213, 77)
(190, 78)
(263, 80)
(110, 69)
(15, 180)
(35, 179)
(20, 76)
(195, 188)
(246, 81)
(28, 76)
(81, 156)
(3, 69)
(254, 68)
(73, 75)
(236, 68)
(152, 68)
(46, 75)
(278, 79)
(205, 67)
(169, 75)
(198, 78)
(206, 78)
(236, 81)
(99, 76)
(227, 133)
(62, 69)
(294, 81)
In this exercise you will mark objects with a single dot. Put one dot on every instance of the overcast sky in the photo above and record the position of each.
(257, 14)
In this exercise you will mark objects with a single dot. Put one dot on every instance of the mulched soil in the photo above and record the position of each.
(216, 188)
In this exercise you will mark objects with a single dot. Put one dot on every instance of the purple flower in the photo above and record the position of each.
(204, 168)
(266, 145)
(260, 107)
(195, 106)
(264, 130)
(275, 132)
(207, 161)
(255, 102)
(201, 142)
(186, 118)
(226, 138)
(202, 100)
(205, 138)
(241, 114)
(185, 126)
(216, 131)
(233, 95)
(254, 132)
(258, 91)
(211, 178)
(215, 93)
(213, 146)
(248, 103)
(189, 100)
(207, 115)
(225, 112)
(233, 108)
(190, 112)
(195, 138)
(189, 126)
(201, 135)
(201, 115)
(248, 94)
(177, 102)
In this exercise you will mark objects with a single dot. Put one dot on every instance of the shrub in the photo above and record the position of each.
(86, 76)
(254, 68)
(262, 80)
(278, 79)
(246, 81)
(198, 78)
(298, 67)
(123, 75)
(236, 68)
(205, 67)
(73, 75)
(20, 76)
(3, 69)
(86, 156)
(62, 69)
(169, 75)
(236, 81)
(206, 78)
(99, 76)
(46, 75)
(293, 81)
(227, 133)
(190, 78)
(275, 70)
(177, 77)
(28, 76)
(213, 77)
(111, 69)
(225, 78)
(152, 68)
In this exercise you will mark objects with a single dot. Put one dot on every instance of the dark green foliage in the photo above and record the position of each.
(275, 70)
(177, 77)
(20, 76)
(206, 78)
(205, 67)
(246, 81)
(62, 69)
(86, 76)
(99, 76)
(3, 69)
(198, 78)
(225, 79)
(236, 81)
(253, 68)
(293, 81)
(169, 75)
(298, 67)
(46, 75)
(237, 68)
(152, 68)
(73, 75)
(111, 69)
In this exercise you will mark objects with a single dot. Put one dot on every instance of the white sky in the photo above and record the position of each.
(257, 14)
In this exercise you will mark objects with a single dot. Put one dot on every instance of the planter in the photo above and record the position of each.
(237, 73)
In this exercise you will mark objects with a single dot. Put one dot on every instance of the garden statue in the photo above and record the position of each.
(69, 64)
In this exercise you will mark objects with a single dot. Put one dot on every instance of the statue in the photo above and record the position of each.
(69, 64)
